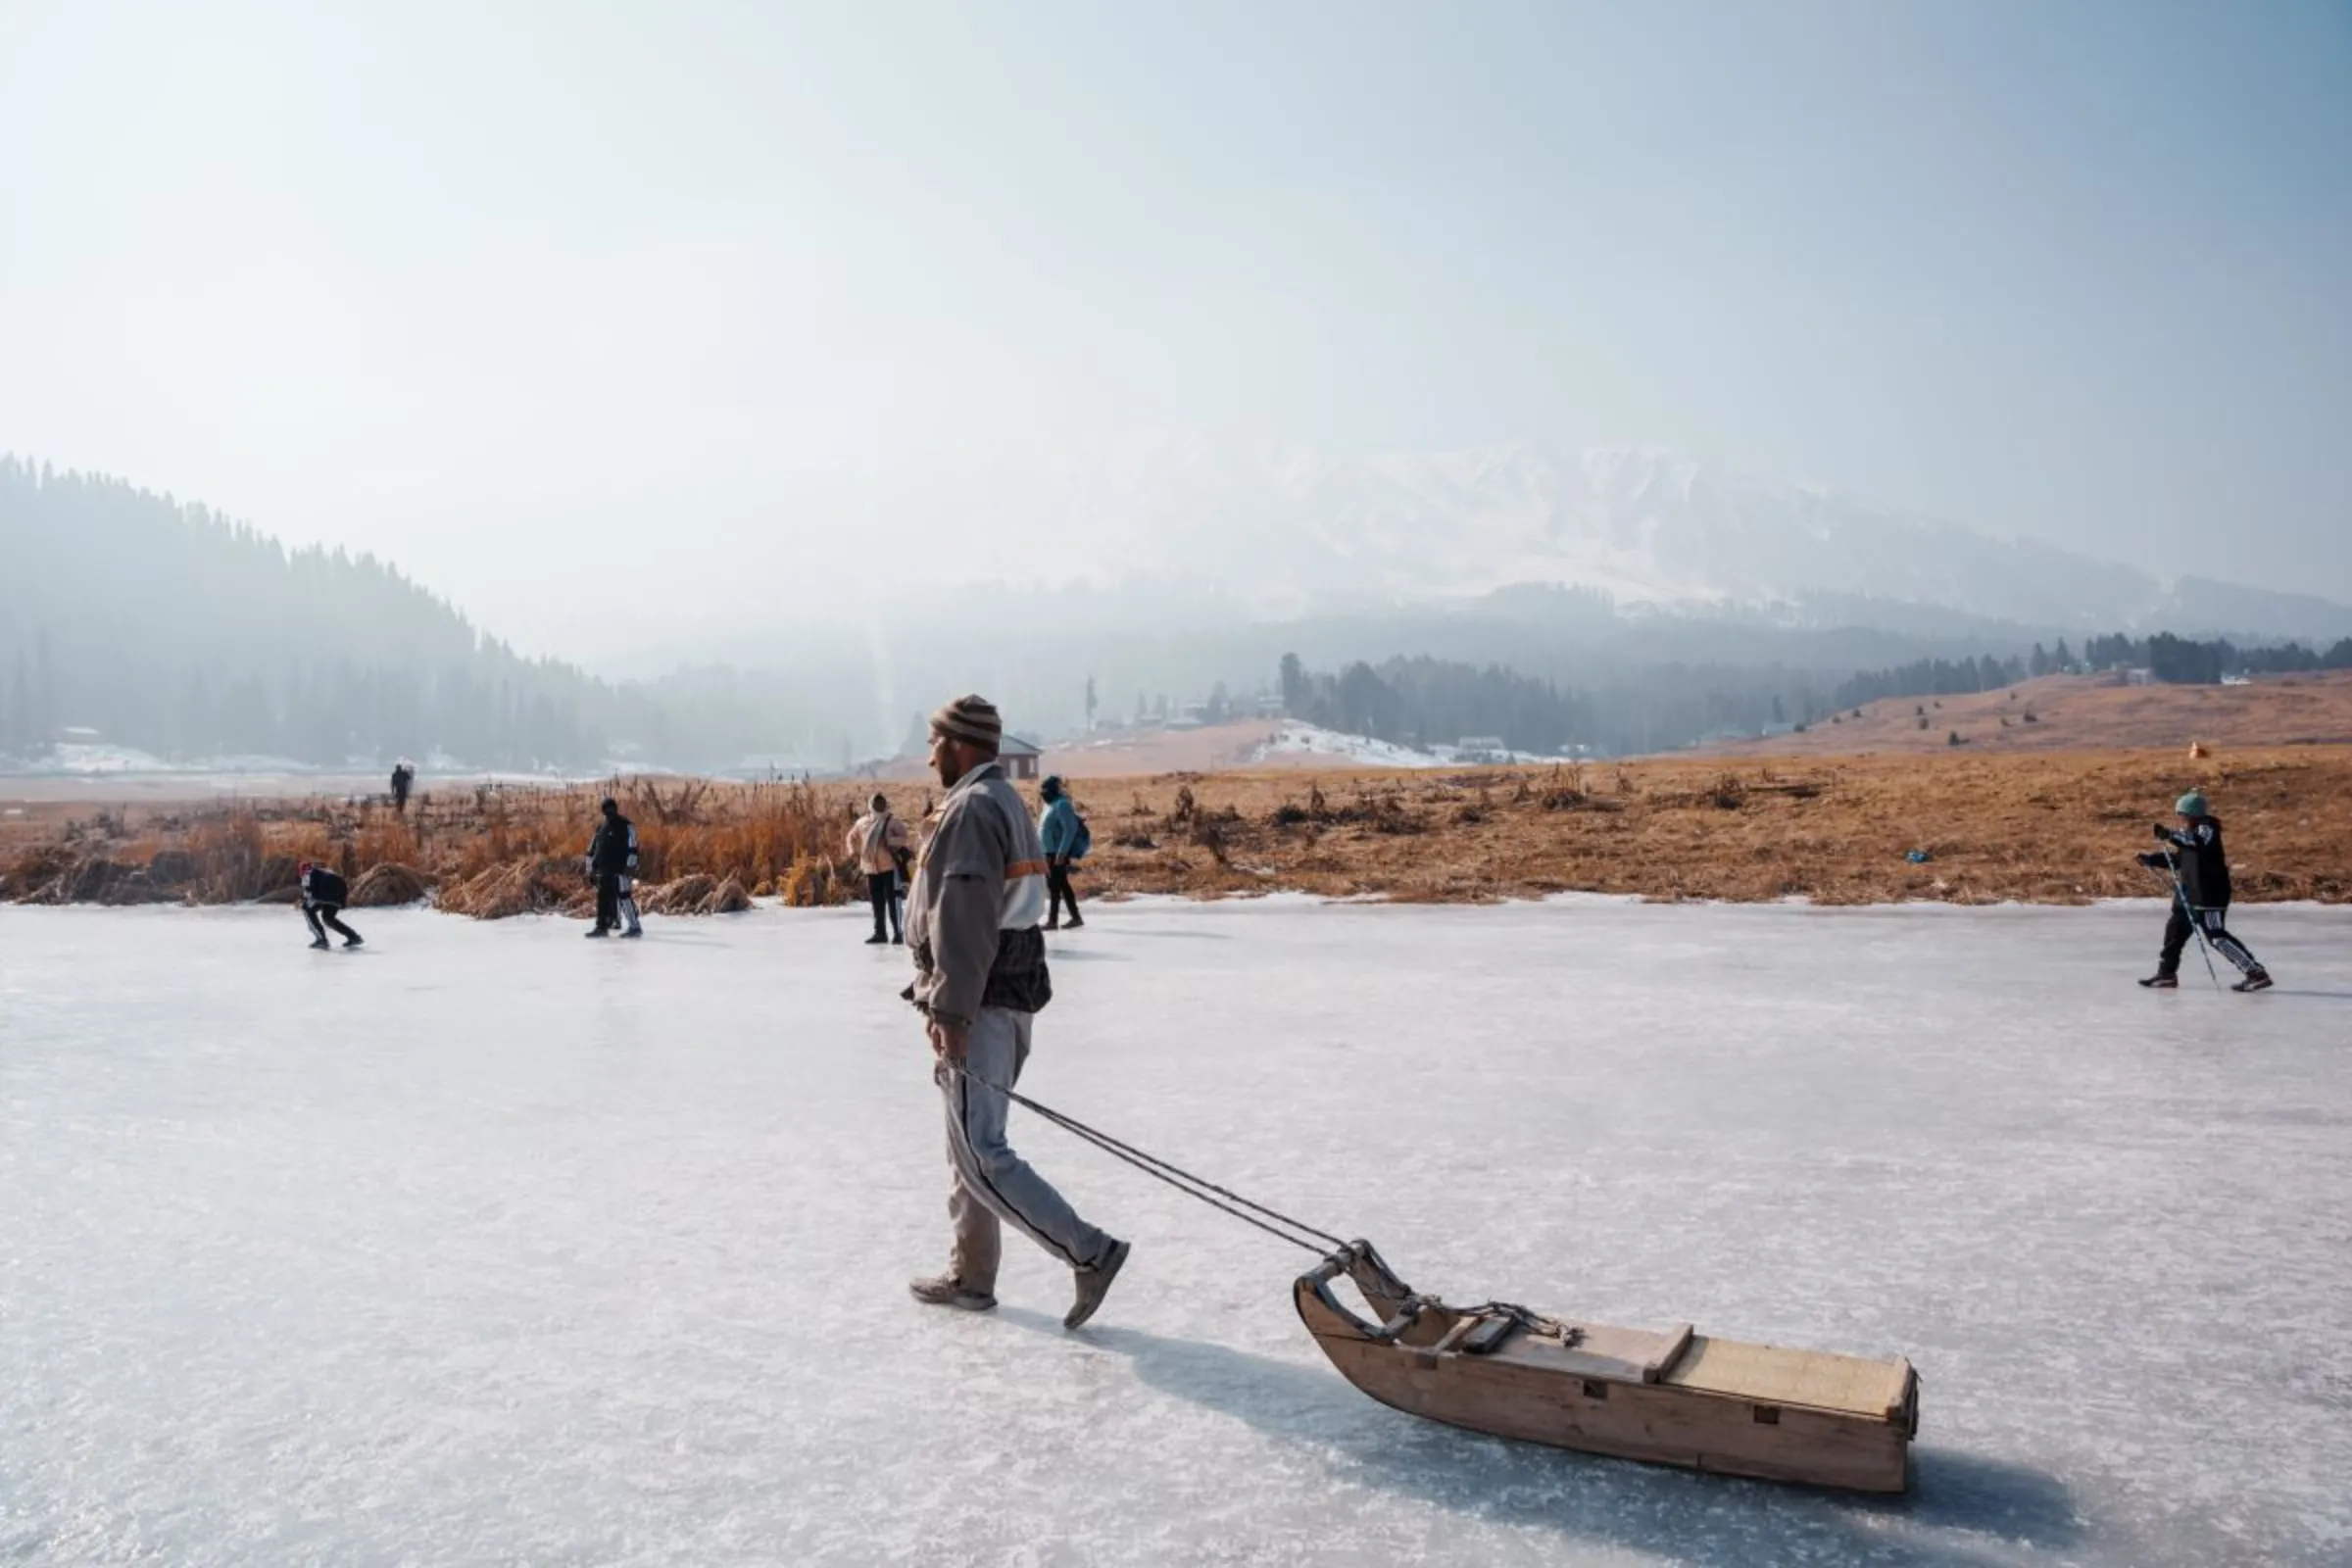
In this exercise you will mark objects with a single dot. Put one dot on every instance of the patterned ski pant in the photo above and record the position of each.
(2177, 932)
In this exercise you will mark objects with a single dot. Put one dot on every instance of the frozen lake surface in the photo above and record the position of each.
(488, 1245)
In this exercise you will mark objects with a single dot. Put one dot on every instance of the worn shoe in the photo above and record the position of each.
(2259, 980)
(1073, 922)
(1093, 1284)
(2161, 982)
(599, 931)
(354, 942)
(633, 931)
(320, 946)
(1053, 924)
(877, 940)
(946, 1289)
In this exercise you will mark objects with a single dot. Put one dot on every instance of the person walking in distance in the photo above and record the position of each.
(613, 861)
(404, 776)
(324, 895)
(880, 843)
(1062, 832)
(980, 981)
(2193, 853)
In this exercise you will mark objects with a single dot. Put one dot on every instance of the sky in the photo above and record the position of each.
(562, 305)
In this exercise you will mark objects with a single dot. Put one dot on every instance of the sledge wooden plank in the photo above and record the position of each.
(1774, 1374)
(1624, 1356)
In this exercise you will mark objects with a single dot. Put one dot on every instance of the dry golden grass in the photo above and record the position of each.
(2044, 828)
(2039, 828)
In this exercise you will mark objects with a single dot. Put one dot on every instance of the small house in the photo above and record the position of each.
(1020, 757)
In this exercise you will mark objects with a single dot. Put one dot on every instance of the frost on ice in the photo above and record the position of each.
(487, 1245)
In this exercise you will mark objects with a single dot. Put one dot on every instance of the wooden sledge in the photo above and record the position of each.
(1668, 1398)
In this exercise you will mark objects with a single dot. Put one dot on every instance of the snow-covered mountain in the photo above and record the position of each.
(1293, 529)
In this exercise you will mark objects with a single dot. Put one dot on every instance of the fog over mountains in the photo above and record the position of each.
(1285, 530)
(1672, 598)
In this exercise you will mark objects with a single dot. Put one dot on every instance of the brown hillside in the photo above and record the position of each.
(2083, 713)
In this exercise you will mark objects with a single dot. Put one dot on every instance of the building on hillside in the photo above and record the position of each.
(1482, 749)
(1020, 757)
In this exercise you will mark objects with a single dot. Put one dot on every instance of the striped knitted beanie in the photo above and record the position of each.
(970, 718)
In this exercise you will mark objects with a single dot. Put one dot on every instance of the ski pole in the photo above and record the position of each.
(2181, 894)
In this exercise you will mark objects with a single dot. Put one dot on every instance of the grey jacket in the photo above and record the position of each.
(981, 876)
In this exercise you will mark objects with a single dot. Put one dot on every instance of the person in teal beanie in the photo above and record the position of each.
(2193, 856)
(1063, 833)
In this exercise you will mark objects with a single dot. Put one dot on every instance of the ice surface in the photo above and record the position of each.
(488, 1245)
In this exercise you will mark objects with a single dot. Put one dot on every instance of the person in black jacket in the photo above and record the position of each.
(613, 861)
(2193, 854)
(322, 897)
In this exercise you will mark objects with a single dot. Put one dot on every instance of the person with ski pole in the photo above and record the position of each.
(324, 895)
(2194, 857)
(980, 981)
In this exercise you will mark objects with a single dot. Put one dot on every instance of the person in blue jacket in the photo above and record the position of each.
(1063, 833)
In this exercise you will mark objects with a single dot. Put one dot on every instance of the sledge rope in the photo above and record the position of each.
(1539, 1324)
(1184, 1181)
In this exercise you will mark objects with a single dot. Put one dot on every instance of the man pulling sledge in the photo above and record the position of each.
(2192, 857)
(980, 980)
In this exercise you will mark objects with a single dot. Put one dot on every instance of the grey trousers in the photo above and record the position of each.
(989, 1183)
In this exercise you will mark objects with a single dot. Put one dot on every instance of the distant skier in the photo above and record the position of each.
(613, 861)
(980, 979)
(882, 847)
(2193, 854)
(324, 895)
(1063, 833)
(404, 774)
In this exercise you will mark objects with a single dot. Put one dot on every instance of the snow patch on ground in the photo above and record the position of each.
(254, 773)
(99, 757)
(1308, 740)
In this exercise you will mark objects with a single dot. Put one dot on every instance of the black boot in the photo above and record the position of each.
(2162, 980)
(2259, 980)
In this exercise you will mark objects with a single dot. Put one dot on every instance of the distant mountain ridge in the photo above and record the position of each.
(171, 630)
(1298, 530)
